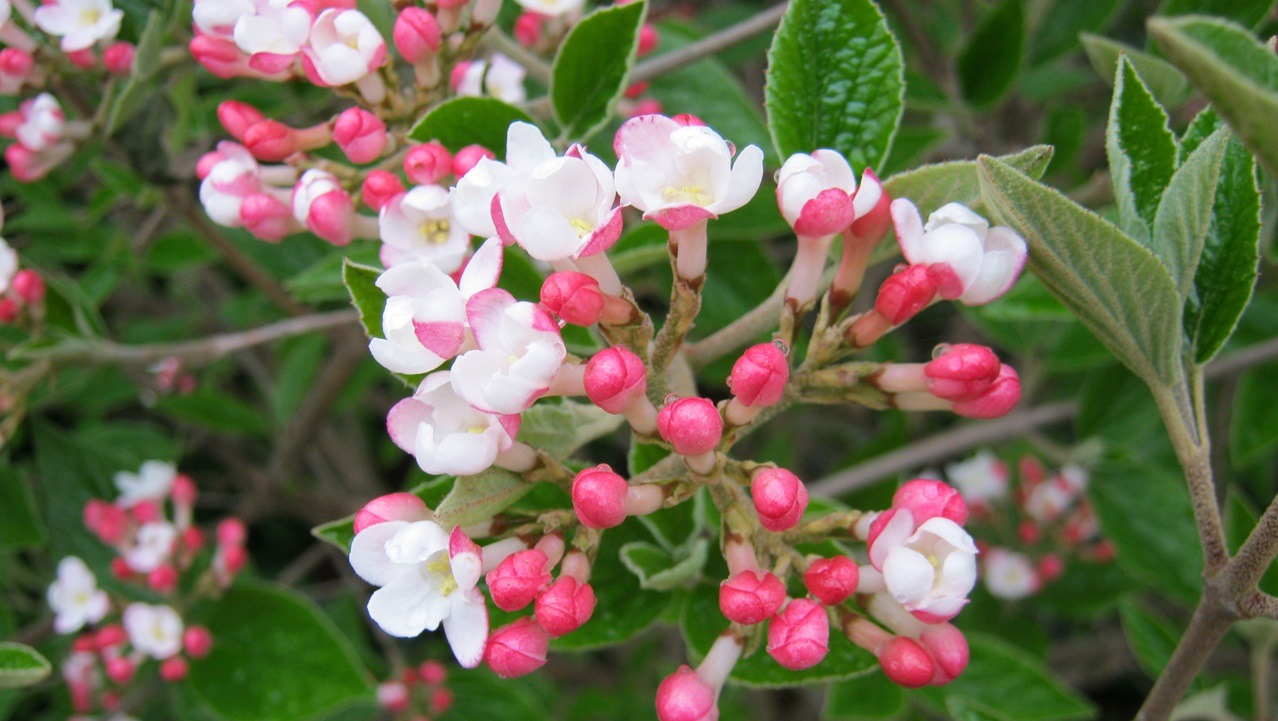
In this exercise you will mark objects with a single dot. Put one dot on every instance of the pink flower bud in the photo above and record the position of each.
(689, 120)
(759, 376)
(1050, 567)
(237, 117)
(832, 580)
(691, 425)
(751, 596)
(416, 34)
(120, 569)
(648, 39)
(270, 140)
(927, 498)
(599, 497)
(428, 163)
(684, 696)
(234, 558)
(85, 643)
(106, 520)
(779, 497)
(218, 55)
(948, 647)
(906, 662)
(528, 28)
(145, 511)
(574, 297)
(962, 372)
(380, 187)
(518, 579)
(565, 606)
(799, 636)
(1029, 532)
(360, 134)
(647, 106)
(16, 64)
(83, 59)
(872, 221)
(997, 400)
(120, 670)
(173, 669)
(637, 89)
(28, 285)
(441, 699)
(393, 696)
(118, 58)
(905, 293)
(330, 217)
(391, 507)
(266, 217)
(433, 672)
(615, 377)
(206, 163)
(163, 579)
(231, 532)
(26, 165)
(468, 157)
(197, 641)
(110, 637)
(193, 539)
(184, 491)
(517, 649)
(9, 308)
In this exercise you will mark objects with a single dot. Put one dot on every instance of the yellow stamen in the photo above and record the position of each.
(435, 231)
(687, 194)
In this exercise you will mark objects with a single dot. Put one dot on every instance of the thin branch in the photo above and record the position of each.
(1193, 451)
(743, 330)
(1256, 553)
(722, 40)
(499, 41)
(1206, 629)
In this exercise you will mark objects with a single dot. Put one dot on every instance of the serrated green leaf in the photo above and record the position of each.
(1168, 86)
(991, 60)
(1141, 150)
(561, 428)
(1152, 637)
(1185, 213)
(481, 496)
(835, 80)
(322, 280)
(21, 665)
(1246, 12)
(591, 68)
(1116, 287)
(22, 527)
(931, 186)
(1234, 71)
(867, 698)
(469, 120)
(661, 570)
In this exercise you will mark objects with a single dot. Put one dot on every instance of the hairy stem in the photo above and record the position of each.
(1207, 627)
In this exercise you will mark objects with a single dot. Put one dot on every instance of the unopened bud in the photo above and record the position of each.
(197, 641)
(832, 580)
(962, 372)
(905, 293)
(574, 297)
(599, 497)
(360, 134)
(392, 507)
(799, 636)
(517, 649)
(416, 34)
(518, 579)
(428, 163)
(997, 400)
(615, 377)
(927, 498)
(118, 58)
(173, 669)
(906, 663)
(692, 425)
(751, 596)
(759, 376)
(237, 117)
(468, 157)
(685, 696)
(565, 606)
(779, 497)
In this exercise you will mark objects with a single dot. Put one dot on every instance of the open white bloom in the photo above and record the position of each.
(985, 261)
(427, 577)
(344, 46)
(232, 179)
(1050, 499)
(929, 569)
(313, 184)
(445, 433)
(75, 597)
(419, 226)
(815, 193)
(1009, 575)
(152, 547)
(279, 27)
(152, 482)
(982, 479)
(43, 124)
(219, 17)
(8, 265)
(499, 76)
(520, 352)
(472, 197)
(80, 23)
(551, 8)
(154, 630)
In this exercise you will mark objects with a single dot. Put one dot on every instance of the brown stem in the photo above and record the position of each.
(1206, 629)
(709, 45)
(1256, 553)
(1193, 450)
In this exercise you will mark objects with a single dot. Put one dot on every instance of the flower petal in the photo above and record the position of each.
(368, 553)
(467, 627)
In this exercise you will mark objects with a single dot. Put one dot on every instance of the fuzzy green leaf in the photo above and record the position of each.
(22, 527)
(1245, 12)
(662, 570)
(1142, 152)
(1185, 213)
(1152, 637)
(481, 496)
(932, 186)
(1168, 86)
(561, 428)
(468, 120)
(21, 665)
(865, 698)
(991, 60)
(592, 66)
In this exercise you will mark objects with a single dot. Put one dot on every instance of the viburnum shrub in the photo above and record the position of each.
(618, 328)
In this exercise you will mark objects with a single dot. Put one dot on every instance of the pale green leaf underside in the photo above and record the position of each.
(21, 665)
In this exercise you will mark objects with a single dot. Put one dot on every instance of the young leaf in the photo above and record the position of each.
(561, 428)
(1184, 215)
(21, 665)
(661, 570)
(872, 696)
(992, 58)
(835, 80)
(1152, 637)
(932, 186)
(1244, 12)
(1168, 86)
(138, 90)
(22, 527)
(477, 498)
(469, 120)
(1142, 152)
(1066, 23)
(1116, 287)
(591, 68)
(1234, 71)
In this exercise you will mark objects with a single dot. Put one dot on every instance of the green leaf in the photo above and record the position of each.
(467, 121)
(1245, 12)
(146, 62)
(322, 280)
(275, 657)
(1005, 683)
(835, 80)
(591, 68)
(1142, 152)
(370, 301)
(341, 531)
(866, 698)
(931, 186)
(661, 570)
(1227, 270)
(702, 622)
(561, 428)
(1238, 74)
(1185, 213)
(1168, 86)
(991, 60)
(21, 666)
(1116, 287)
(481, 496)
(1152, 637)
(216, 410)
(22, 527)
(1058, 33)
(1253, 430)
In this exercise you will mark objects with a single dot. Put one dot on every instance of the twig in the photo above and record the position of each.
(501, 42)
(741, 331)
(709, 45)
(1208, 626)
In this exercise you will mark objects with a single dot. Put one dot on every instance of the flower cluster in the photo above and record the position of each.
(158, 548)
(418, 693)
(21, 289)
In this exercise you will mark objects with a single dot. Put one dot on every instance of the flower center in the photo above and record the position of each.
(435, 232)
(442, 569)
(582, 227)
(476, 429)
(90, 16)
(691, 194)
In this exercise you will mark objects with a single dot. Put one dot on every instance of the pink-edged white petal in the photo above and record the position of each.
(467, 627)
(899, 528)
(909, 576)
(743, 183)
(406, 607)
(483, 269)
(368, 553)
(466, 558)
(1005, 255)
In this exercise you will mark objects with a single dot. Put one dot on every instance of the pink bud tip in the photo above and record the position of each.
(518, 579)
(330, 217)
(962, 372)
(692, 425)
(146, 511)
(270, 140)
(648, 39)
(779, 497)
(688, 119)
(927, 498)
(391, 507)
(997, 400)
(118, 58)
(163, 579)
(380, 186)
(110, 637)
(441, 699)
(120, 569)
(873, 223)
(637, 89)
(393, 696)
(360, 134)
(832, 580)
(193, 539)
(574, 297)
(468, 157)
(197, 641)
(799, 636)
(647, 106)
(684, 696)
(266, 217)
(416, 34)
(16, 63)
(231, 532)
(433, 672)
(237, 117)
(759, 376)
(750, 597)
(428, 163)
(565, 606)
(1029, 532)
(906, 662)
(120, 670)
(206, 163)
(85, 643)
(615, 377)
(106, 520)
(948, 647)
(599, 497)
(83, 59)
(173, 669)
(905, 293)
(9, 308)
(517, 649)
(528, 28)
(184, 491)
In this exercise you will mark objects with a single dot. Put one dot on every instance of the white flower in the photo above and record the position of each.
(499, 76)
(344, 46)
(929, 569)
(1049, 499)
(279, 27)
(815, 193)
(75, 597)
(427, 577)
(218, 17)
(154, 630)
(520, 351)
(985, 261)
(419, 226)
(235, 177)
(551, 8)
(982, 479)
(43, 123)
(472, 197)
(1009, 575)
(313, 184)
(152, 546)
(8, 265)
(680, 175)
(445, 433)
(152, 482)
(80, 23)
